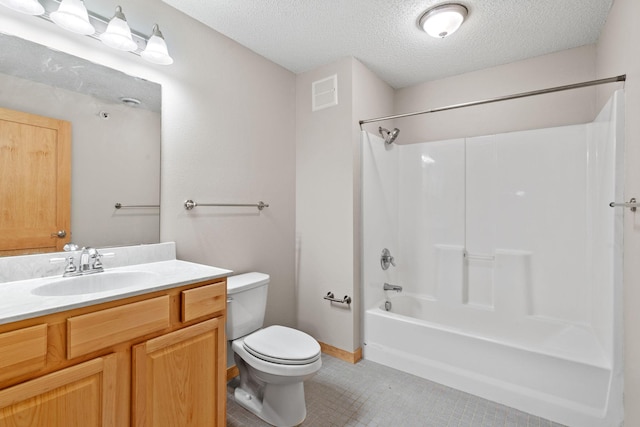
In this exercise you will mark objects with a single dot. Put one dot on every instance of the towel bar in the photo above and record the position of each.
(121, 206)
(190, 204)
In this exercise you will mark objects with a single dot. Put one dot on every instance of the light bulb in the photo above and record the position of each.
(72, 15)
(156, 50)
(118, 33)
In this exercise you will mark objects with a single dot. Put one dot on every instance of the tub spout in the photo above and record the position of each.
(389, 287)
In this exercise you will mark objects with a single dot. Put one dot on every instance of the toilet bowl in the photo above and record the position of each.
(273, 362)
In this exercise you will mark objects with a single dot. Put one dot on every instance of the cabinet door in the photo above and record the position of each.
(179, 378)
(82, 395)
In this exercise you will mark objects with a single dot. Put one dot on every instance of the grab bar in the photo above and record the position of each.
(332, 298)
(121, 206)
(190, 204)
(631, 204)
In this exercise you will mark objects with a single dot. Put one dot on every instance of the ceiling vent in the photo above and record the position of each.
(324, 93)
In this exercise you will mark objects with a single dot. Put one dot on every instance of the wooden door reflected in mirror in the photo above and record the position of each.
(35, 172)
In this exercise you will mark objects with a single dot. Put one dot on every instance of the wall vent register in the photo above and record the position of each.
(324, 93)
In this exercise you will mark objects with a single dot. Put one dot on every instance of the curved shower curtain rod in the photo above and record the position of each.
(620, 78)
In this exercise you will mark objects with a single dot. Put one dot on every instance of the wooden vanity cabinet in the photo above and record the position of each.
(81, 395)
(175, 378)
(152, 360)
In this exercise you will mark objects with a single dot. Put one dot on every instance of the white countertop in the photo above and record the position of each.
(17, 302)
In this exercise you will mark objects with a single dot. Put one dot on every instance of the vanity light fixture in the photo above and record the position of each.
(30, 7)
(118, 34)
(443, 20)
(72, 15)
(156, 50)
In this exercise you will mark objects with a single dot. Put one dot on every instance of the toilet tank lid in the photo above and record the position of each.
(246, 281)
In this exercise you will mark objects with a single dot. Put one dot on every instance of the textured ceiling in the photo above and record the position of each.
(301, 35)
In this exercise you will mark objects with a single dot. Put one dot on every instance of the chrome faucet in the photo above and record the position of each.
(89, 263)
(389, 287)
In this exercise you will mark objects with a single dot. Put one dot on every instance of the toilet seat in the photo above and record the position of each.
(282, 345)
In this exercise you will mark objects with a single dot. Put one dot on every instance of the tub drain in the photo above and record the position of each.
(387, 305)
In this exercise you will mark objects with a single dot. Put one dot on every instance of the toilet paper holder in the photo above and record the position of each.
(332, 298)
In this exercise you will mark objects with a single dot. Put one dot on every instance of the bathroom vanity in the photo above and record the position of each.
(148, 351)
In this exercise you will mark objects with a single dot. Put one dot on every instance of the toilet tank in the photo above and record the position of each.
(246, 303)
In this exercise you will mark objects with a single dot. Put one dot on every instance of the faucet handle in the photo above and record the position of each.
(97, 264)
(95, 256)
(71, 267)
(386, 259)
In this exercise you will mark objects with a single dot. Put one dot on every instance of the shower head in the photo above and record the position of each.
(389, 136)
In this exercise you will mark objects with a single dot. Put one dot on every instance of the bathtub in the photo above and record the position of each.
(477, 350)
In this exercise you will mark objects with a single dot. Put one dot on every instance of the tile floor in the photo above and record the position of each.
(369, 394)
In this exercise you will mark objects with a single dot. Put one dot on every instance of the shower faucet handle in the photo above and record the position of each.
(386, 259)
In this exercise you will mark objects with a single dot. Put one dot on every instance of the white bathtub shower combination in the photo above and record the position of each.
(510, 261)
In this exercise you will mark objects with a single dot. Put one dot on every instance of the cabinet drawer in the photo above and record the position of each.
(94, 331)
(203, 301)
(23, 350)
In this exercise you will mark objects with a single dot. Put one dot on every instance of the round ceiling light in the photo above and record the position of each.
(443, 20)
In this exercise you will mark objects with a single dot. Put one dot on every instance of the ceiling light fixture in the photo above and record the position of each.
(72, 15)
(131, 102)
(443, 20)
(118, 34)
(156, 50)
(30, 7)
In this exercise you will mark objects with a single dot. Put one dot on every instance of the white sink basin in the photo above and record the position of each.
(97, 282)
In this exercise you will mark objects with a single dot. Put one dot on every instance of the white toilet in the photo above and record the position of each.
(274, 361)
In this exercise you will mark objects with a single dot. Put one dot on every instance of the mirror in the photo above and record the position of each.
(115, 138)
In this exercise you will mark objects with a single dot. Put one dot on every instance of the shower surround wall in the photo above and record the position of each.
(508, 254)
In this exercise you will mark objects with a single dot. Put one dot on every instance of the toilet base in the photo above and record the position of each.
(282, 405)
